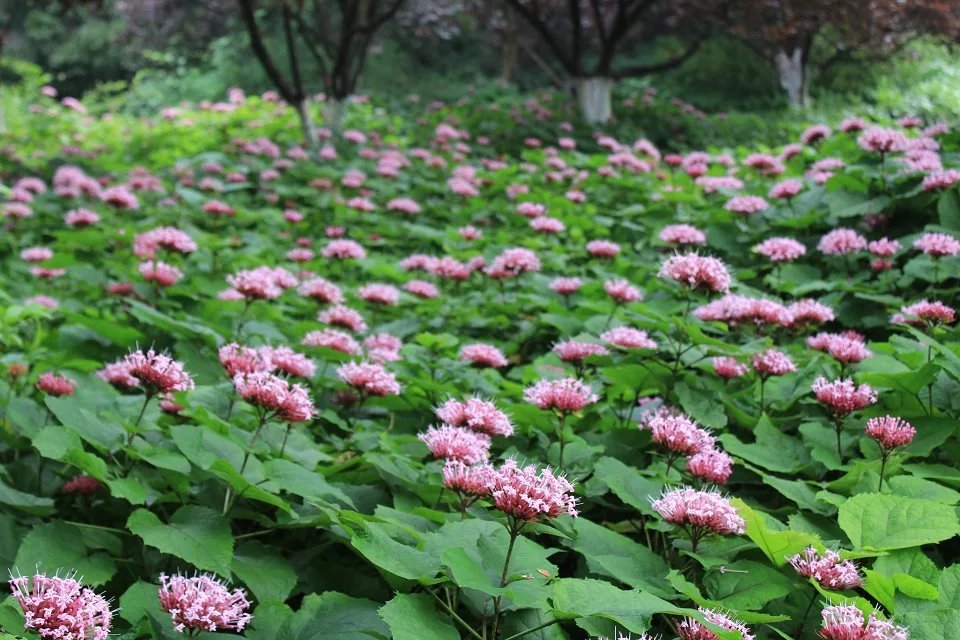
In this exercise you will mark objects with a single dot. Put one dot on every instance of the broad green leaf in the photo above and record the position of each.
(937, 625)
(628, 484)
(415, 617)
(59, 547)
(195, 534)
(610, 554)
(881, 522)
(777, 545)
(950, 587)
(746, 585)
(334, 616)
(267, 574)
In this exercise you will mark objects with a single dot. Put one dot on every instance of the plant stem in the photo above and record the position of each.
(286, 434)
(453, 614)
(228, 496)
(561, 418)
(514, 532)
(838, 427)
(136, 424)
(883, 466)
(763, 381)
(806, 612)
(531, 630)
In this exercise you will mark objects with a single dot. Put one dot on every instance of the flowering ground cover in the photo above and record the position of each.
(406, 386)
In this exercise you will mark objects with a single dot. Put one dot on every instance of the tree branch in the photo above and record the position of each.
(672, 63)
(260, 51)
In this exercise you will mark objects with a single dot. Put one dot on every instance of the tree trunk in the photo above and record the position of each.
(594, 96)
(509, 50)
(792, 69)
(307, 126)
(334, 113)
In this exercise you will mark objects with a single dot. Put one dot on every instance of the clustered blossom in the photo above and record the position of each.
(332, 339)
(696, 272)
(344, 250)
(473, 480)
(846, 622)
(781, 249)
(603, 248)
(842, 347)
(203, 603)
(384, 294)
(703, 511)
(890, 432)
(61, 608)
(786, 189)
(924, 314)
(735, 310)
(567, 395)
(369, 378)
(512, 263)
(483, 355)
(843, 397)
(165, 275)
(287, 361)
(474, 413)
(772, 363)
(711, 465)
(577, 351)
(343, 316)
(828, 570)
(239, 359)
(529, 495)
(746, 205)
(321, 290)
(937, 244)
(621, 291)
(54, 385)
(145, 245)
(262, 283)
(157, 372)
(457, 443)
(692, 629)
(683, 235)
(728, 367)
(677, 434)
(841, 242)
(628, 338)
(566, 286)
(290, 403)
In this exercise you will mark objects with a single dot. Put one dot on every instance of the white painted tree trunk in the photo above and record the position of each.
(307, 126)
(793, 76)
(334, 112)
(594, 94)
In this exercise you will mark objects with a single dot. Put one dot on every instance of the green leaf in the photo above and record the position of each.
(950, 587)
(59, 547)
(268, 575)
(334, 616)
(415, 617)
(26, 502)
(773, 450)
(937, 625)
(295, 479)
(610, 554)
(777, 545)
(701, 405)
(628, 484)
(139, 601)
(948, 208)
(879, 522)
(375, 543)
(746, 585)
(198, 535)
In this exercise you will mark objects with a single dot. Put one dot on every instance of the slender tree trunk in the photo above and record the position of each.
(792, 69)
(594, 97)
(307, 125)
(509, 50)
(334, 113)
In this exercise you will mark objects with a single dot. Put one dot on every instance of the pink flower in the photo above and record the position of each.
(713, 184)
(575, 351)
(120, 198)
(814, 134)
(262, 283)
(547, 225)
(807, 311)
(786, 189)
(677, 434)
(841, 242)
(567, 395)
(840, 347)
(937, 244)
(118, 374)
(925, 314)
(621, 291)
(470, 232)
(780, 249)
(842, 622)
(157, 372)
(219, 208)
(566, 286)
(300, 255)
(383, 347)
(237, 359)
(842, 397)
(361, 204)
(711, 465)
(828, 570)
(203, 603)
(691, 629)
(683, 235)
(383, 294)
(342, 316)
(422, 289)
(163, 274)
(883, 248)
(457, 443)
(727, 367)
(43, 301)
(84, 485)
(81, 218)
(475, 480)
(704, 512)
(54, 385)
(475, 414)
(47, 273)
(734, 310)
(447, 268)
(512, 263)
(695, 271)
(628, 338)
(277, 397)
(321, 290)
(524, 494)
(890, 432)
(745, 205)
(145, 244)
(286, 360)
(939, 180)
(36, 254)
(332, 339)
(603, 248)
(369, 378)
(880, 140)
(531, 209)
(61, 608)
(483, 355)
(344, 250)
(772, 363)
(853, 125)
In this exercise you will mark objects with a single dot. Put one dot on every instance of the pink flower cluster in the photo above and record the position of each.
(704, 511)
(628, 338)
(842, 347)
(772, 363)
(369, 378)
(576, 351)
(262, 283)
(781, 249)
(483, 355)
(890, 432)
(828, 570)
(474, 413)
(567, 395)
(513, 262)
(276, 396)
(843, 397)
(203, 603)
(683, 235)
(529, 495)
(61, 608)
(457, 443)
(621, 291)
(157, 372)
(696, 272)
(692, 629)
(846, 622)
(728, 367)
(54, 385)
(677, 434)
(925, 314)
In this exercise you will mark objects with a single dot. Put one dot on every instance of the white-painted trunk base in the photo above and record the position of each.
(334, 113)
(594, 96)
(792, 73)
